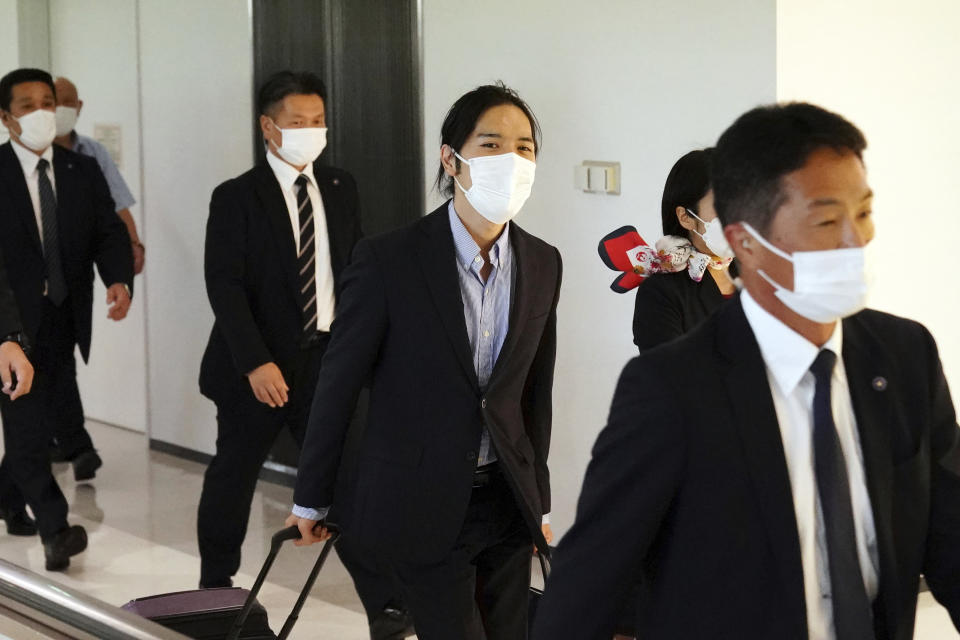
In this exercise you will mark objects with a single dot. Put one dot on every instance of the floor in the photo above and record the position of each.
(140, 513)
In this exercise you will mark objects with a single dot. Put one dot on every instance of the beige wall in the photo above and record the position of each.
(891, 68)
(196, 61)
(94, 43)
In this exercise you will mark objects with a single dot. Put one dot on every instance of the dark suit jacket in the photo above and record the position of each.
(401, 325)
(9, 314)
(689, 485)
(250, 263)
(90, 232)
(669, 305)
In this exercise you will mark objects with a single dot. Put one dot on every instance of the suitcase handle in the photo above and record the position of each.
(276, 543)
(544, 567)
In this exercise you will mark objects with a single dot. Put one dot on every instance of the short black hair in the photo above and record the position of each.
(19, 76)
(765, 144)
(288, 83)
(687, 183)
(462, 119)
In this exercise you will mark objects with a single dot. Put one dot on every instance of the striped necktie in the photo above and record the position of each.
(852, 610)
(56, 282)
(306, 260)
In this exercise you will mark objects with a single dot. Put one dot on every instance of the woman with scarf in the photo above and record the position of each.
(695, 279)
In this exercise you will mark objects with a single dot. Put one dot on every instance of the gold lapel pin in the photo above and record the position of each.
(880, 383)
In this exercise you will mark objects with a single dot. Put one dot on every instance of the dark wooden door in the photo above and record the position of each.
(368, 54)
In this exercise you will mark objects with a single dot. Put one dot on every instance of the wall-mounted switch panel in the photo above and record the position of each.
(598, 177)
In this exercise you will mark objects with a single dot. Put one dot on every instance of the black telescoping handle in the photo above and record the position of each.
(544, 566)
(276, 543)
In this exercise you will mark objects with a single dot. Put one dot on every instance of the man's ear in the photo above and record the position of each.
(265, 126)
(451, 165)
(742, 244)
(79, 106)
(7, 121)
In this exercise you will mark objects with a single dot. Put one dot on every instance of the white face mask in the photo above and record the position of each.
(301, 147)
(713, 237)
(827, 285)
(500, 185)
(66, 120)
(38, 129)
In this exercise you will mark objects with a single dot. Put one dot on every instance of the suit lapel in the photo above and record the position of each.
(867, 373)
(12, 172)
(527, 271)
(274, 206)
(438, 261)
(744, 374)
(332, 213)
(66, 193)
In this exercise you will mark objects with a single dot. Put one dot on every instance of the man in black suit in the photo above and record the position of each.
(57, 221)
(453, 320)
(791, 467)
(16, 372)
(278, 238)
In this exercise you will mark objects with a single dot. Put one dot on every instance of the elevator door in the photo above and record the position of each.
(368, 54)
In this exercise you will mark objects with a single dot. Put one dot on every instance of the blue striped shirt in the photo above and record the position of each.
(486, 306)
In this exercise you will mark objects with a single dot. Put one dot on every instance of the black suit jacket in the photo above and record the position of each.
(90, 232)
(9, 315)
(668, 305)
(401, 325)
(688, 484)
(250, 264)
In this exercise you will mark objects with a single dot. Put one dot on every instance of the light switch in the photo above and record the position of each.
(109, 136)
(598, 177)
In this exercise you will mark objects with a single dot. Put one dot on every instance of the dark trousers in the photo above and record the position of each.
(480, 590)
(69, 427)
(373, 582)
(29, 424)
(246, 430)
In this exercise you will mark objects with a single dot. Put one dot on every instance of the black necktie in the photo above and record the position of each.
(56, 283)
(307, 258)
(852, 613)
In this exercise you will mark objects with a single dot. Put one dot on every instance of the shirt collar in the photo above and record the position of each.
(29, 160)
(787, 354)
(286, 174)
(467, 248)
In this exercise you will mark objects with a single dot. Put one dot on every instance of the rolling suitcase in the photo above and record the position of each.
(230, 613)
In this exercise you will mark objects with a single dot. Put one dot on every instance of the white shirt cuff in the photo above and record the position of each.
(310, 514)
(546, 519)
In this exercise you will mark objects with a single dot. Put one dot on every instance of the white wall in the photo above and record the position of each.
(892, 71)
(636, 82)
(9, 44)
(196, 75)
(33, 18)
(94, 44)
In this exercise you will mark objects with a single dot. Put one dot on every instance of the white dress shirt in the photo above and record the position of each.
(29, 161)
(287, 177)
(788, 357)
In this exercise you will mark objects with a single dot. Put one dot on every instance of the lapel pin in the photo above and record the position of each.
(336, 181)
(879, 383)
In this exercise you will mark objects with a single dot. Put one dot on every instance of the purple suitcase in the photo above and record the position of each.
(231, 613)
